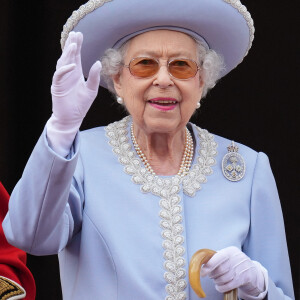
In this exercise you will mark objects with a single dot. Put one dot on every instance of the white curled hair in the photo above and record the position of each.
(210, 62)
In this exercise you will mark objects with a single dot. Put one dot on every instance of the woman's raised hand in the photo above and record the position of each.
(72, 96)
(230, 268)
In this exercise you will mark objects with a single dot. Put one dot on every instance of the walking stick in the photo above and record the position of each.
(198, 259)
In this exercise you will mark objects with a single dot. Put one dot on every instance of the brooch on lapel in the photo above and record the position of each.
(233, 164)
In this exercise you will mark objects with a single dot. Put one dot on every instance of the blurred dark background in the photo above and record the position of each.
(257, 104)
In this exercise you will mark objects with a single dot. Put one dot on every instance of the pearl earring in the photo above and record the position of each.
(198, 105)
(120, 100)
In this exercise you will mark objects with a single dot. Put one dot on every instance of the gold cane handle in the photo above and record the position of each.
(198, 259)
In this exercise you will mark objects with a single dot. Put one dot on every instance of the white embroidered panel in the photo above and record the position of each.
(170, 203)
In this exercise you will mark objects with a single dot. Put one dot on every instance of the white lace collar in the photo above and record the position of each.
(117, 133)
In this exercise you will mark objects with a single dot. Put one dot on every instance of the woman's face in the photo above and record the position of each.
(147, 99)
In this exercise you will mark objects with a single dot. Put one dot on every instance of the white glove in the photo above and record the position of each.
(72, 96)
(230, 268)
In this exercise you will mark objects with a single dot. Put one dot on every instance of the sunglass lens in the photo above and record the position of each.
(143, 67)
(183, 68)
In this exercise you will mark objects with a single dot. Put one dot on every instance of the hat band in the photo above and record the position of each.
(189, 32)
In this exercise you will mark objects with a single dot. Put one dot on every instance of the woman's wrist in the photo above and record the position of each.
(61, 136)
(257, 290)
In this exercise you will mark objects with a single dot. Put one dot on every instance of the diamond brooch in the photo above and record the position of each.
(233, 164)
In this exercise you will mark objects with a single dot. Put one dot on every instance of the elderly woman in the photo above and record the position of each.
(126, 206)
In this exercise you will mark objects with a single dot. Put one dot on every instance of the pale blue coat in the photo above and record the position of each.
(122, 235)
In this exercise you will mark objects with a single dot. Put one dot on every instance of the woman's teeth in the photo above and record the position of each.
(164, 102)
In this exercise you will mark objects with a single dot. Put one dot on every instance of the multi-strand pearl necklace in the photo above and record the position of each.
(186, 158)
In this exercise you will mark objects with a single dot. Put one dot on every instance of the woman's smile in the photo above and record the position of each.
(163, 104)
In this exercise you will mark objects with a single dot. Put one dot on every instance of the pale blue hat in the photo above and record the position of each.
(222, 25)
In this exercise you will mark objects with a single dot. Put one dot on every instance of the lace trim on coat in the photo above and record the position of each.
(167, 189)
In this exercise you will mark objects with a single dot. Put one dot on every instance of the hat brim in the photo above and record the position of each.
(225, 25)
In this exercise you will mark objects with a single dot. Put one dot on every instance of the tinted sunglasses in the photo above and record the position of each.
(179, 68)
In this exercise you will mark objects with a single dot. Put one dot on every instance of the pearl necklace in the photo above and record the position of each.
(186, 158)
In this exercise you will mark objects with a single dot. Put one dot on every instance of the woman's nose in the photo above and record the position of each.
(163, 78)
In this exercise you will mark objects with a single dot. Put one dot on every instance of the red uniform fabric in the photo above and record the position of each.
(13, 260)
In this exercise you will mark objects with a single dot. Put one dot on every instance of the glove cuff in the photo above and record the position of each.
(261, 285)
(61, 136)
